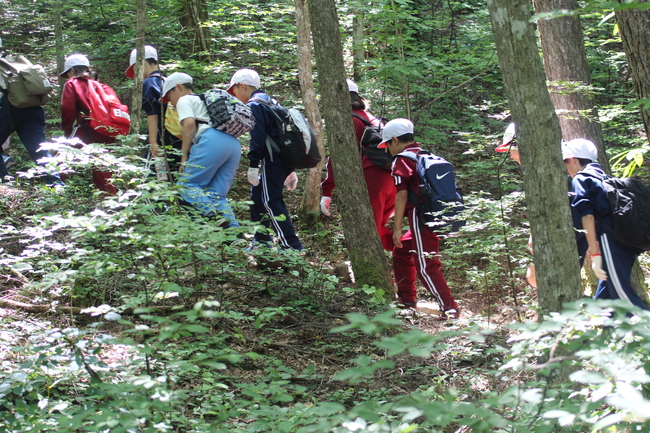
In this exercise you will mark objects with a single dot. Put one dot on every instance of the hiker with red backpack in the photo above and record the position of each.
(22, 113)
(378, 178)
(80, 113)
(417, 249)
(610, 260)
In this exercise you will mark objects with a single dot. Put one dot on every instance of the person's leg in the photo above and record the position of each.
(272, 177)
(381, 189)
(5, 130)
(200, 170)
(427, 263)
(227, 163)
(618, 262)
(29, 124)
(404, 271)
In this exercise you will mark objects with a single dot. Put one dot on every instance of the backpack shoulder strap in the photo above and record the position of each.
(409, 154)
(365, 121)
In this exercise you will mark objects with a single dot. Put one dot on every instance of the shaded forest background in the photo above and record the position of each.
(126, 318)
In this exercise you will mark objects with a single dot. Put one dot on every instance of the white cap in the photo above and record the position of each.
(75, 60)
(172, 81)
(352, 87)
(580, 148)
(395, 128)
(149, 53)
(245, 76)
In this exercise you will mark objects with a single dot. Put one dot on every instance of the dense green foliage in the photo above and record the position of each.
(154, 320)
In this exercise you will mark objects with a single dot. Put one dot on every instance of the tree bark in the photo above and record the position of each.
(58, 44)
(195, 13)
(556, 260)
(311, 196)
(358, 41)
(567, 70)
(138, 70)
(366, 253)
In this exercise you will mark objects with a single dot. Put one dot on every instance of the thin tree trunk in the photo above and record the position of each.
(366, 253)
(567, 70)
(358, 41)
(58, 43)
(633, 26)
(138, 70)
(311, 194)
(556, 260)
(195, 14)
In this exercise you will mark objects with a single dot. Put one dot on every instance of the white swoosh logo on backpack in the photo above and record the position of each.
(440, 177)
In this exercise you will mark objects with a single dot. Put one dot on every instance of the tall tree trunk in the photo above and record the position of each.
(558, 274)
(58, 43)
(138, 70)
(311, 195)
(364, 247)
(567, 70)
(358, 41)
(195, 13)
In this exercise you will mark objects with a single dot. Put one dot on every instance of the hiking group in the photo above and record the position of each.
(196, 137)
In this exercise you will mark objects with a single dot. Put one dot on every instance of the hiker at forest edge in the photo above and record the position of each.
(209, 158)
(509, 144)
(379, 181)
(151, 94)
(418, 248)
(75, 107)
(611, 262)
(267, 172)
(29, 124)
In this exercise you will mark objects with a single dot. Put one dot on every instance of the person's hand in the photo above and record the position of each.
(155, 150)
(325, 205)
(597, 266)
(291, 182)
(254, 176)
(397, 238)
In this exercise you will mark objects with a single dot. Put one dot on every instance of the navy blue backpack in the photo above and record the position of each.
(441, 199)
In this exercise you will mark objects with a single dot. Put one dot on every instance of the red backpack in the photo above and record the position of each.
(108, 115)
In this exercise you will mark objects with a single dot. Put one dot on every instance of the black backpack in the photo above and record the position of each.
(371, 139)
(440, 198)
(629, 202)
(297, 144)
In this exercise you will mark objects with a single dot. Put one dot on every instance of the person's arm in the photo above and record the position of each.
(152, 128)
(189, 131)
(68, 107)
(589, 225)
(400, 206)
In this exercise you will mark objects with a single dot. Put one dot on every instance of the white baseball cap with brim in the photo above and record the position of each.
(75, 60)
(172, 81)
(352, 87)
(395, 128)
(508, 136)
(244, 76)
(149, 53)
(580, 148)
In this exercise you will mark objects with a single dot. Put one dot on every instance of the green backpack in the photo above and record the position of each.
(27, 84)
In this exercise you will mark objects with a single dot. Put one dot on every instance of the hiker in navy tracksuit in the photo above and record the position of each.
(267, 171)
(611, 262)
(418, 249)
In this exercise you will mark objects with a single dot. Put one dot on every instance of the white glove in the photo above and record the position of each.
(254, 176)
(291, 182)
(597, 266)
(325, 205)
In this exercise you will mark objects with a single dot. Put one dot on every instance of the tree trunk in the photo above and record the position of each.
(358, 41)
(366, 253)
(558, 274)
(311, 195)
(633, 25)
(195, 13)
(138, 70)
(567, 70)
(58, 44)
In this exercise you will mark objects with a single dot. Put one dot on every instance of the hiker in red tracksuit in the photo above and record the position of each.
(379, 181)
(75, 108)
(418, 249)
